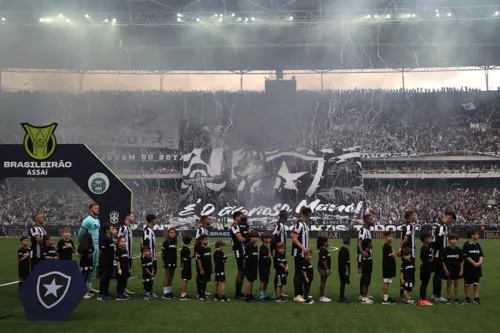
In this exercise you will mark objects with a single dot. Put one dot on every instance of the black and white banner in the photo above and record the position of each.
(261, 183)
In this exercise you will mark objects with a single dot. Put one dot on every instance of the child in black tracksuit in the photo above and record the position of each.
(473, 261)
(407, 275)
(344, 268)
(148, 273)
(123, 272)
(186, 269)
(308, 274)
(453, 267)
(203, 267)
(264, 266)
(49, 252)
(281, 266)
(366, 270)
(251, 264)
(426, 267)
(220, 260)
(388, 266)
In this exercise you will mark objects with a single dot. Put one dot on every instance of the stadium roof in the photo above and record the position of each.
(242, 35)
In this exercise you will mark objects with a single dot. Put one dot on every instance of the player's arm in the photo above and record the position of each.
(22, 256)
(404, 241)
(200, 267)
(481, 256)
(466, 255)
(72, 246)
(82, 230)
(118, 265)
(401, 275)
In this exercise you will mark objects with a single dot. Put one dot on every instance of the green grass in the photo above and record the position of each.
(194, 316)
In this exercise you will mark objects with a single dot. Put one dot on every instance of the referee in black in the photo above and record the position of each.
(300, 246)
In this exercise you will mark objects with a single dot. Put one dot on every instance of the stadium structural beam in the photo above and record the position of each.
(250, 72)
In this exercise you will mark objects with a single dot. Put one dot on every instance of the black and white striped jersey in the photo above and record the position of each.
(36, 248)
(440, 238)
(149, 240)
(280, 233)
(201, 231)
(302, 229)
(364, 233)
(126, 233)
(238, 247)
(409, 230)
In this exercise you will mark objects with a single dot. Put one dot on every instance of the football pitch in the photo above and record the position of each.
(138, 315)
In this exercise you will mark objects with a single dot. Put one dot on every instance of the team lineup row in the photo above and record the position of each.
(446, 262)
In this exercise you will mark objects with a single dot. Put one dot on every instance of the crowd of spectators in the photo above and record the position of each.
(64, 207)
(381, 122)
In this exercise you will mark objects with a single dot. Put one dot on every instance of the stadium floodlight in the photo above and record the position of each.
(246, 19)
(197, 19)
(388, 16)
(87, 16)
(253, 18)
(42, 19)
(233, 14)
(291, 18)
(3, 19)
(376, 16)
(106, 20)
(437, 10)
(179, 15)
(414, 15)
(216, 15)
(113, 20)
(497, 13)
(61, 15)
(409, 15)
(437, 14)
(449, 14)
(369, 16)
(179, 19)
(68, 21)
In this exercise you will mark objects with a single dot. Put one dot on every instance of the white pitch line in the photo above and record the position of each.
(8, 284)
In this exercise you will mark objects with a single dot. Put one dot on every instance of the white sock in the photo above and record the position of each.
(169, 289)
(89, 286)
(183, 294)
(165, 290)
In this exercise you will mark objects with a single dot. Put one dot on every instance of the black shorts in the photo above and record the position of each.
(239, 260)
(220, 277)
(86, 263)
(453, 276)
(170, 265)
(366, 279)
(251, 275)
(344, 279)
(186, 274)
(264, 275)
(472, 279)
(24, 272)
(280, 280)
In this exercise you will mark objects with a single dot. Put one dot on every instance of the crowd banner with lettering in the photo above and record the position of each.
(261, 183)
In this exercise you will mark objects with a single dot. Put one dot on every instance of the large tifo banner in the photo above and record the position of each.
(261, 183)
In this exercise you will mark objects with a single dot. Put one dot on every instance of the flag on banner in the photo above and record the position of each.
(469, 106)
